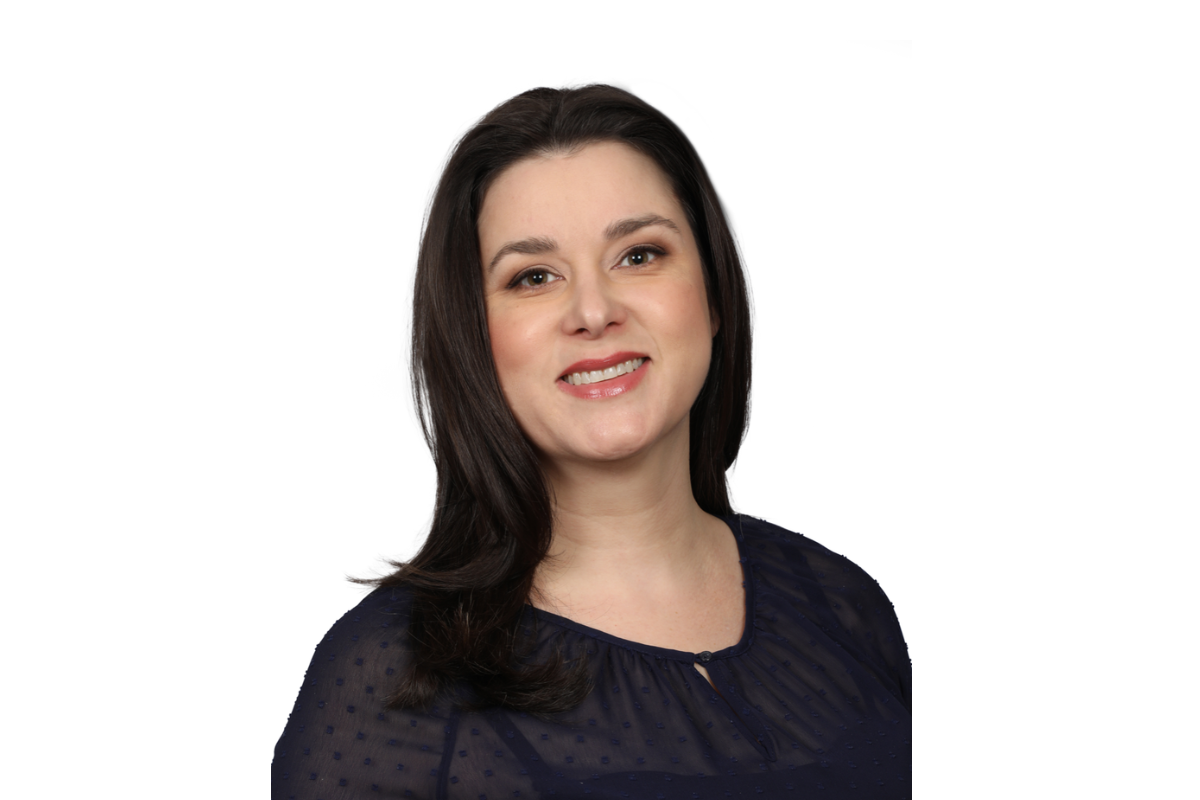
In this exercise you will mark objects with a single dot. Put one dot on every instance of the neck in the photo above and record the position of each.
(621, 524)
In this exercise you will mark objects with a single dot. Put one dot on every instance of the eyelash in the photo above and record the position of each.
(653, 250)
(516, 282)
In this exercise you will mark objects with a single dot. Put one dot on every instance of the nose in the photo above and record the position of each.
(595, 306)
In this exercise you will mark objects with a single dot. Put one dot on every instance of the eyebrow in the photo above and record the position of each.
(536, 245)
(624, 227)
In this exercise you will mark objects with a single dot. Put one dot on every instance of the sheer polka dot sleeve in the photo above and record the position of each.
(842, 599)
(339, 741)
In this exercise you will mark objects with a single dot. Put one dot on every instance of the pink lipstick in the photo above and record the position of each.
(597, 378)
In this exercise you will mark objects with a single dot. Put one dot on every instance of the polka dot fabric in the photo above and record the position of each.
(814, 701)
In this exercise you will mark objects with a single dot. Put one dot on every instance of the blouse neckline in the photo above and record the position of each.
(734, 521)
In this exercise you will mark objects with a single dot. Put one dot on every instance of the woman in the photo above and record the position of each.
(588, 617)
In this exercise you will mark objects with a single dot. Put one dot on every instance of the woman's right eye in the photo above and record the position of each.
(533, 278)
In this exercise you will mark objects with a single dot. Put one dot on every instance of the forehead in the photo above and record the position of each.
(567, 195)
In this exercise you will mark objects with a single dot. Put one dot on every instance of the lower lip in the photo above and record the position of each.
(610, 388)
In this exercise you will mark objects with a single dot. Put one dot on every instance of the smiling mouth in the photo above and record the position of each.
(601, 375)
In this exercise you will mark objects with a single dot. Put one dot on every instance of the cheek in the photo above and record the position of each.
(685, 313)
(513, 350)
(681, 320)
(504, 348)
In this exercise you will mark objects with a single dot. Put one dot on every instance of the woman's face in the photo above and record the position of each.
(591, 269)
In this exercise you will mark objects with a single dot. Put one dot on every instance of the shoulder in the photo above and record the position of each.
(341, 731)
(366, 648)
(795, 555)
(363, 649)
(378, 622)
(832, 591)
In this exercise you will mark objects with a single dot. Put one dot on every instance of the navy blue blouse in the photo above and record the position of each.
(814, 701)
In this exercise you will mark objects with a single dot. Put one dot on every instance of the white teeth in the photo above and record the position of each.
(595, 376)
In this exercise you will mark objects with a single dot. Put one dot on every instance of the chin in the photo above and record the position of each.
(608, 448)
(610, 453)
(614, 438)
(614, 443)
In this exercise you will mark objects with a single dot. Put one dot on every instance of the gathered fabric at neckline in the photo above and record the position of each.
(734, 521)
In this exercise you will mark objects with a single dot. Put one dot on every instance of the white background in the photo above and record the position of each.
(972, 247)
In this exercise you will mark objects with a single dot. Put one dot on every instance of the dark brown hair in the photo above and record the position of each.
(491, 525)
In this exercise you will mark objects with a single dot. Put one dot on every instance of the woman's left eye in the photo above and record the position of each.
(640, 257)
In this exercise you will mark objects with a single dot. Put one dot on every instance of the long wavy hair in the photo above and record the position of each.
(492, 522)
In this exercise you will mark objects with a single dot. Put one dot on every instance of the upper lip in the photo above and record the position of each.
(592, 364)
